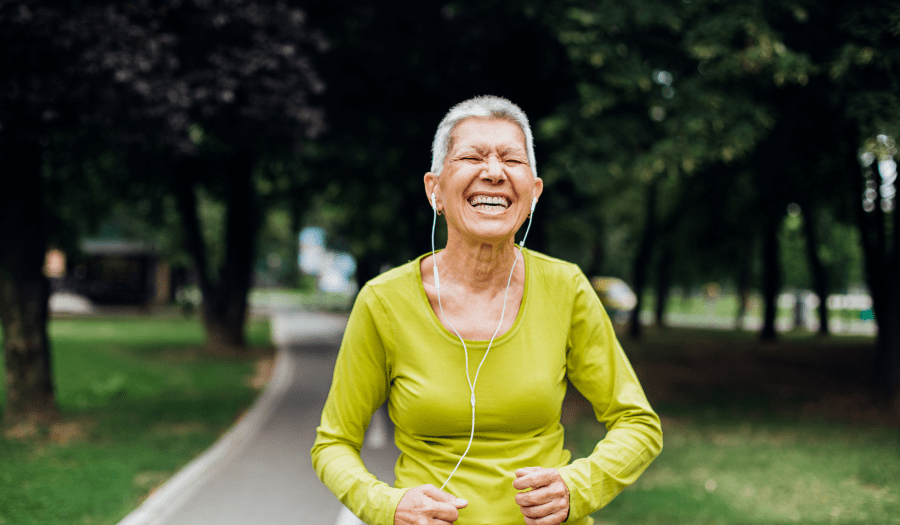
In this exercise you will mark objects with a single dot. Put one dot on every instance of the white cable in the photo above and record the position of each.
(472, 383)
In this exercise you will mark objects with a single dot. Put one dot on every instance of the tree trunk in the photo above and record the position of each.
(226, 314)
(884, 287)
(771, 278)
(225, 298)
(24, 291)
(663, 284)
(642, 260)
(743, 289)
(892, 320)
(885, 292)
(294, 275)
(819, 276)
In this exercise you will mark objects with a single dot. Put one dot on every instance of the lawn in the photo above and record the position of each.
(757, 434)
(139, 398)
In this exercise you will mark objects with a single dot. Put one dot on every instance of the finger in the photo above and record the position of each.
(534, 477)
(546, 520)
(526, 470)
(537, 497)
(541, 495)
(539, 511)
(438, 495)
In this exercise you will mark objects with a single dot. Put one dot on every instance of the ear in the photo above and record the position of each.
(432, 186)
(538, 187)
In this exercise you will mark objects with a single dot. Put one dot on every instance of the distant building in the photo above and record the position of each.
(120, 272)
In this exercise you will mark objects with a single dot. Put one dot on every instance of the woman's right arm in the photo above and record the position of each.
(359, 386)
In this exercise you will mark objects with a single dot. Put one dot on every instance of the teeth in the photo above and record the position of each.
(490, 201)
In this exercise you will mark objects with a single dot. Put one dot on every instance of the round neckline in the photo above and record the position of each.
(473, 342)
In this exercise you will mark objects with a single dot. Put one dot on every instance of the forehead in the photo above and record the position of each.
(485, 132)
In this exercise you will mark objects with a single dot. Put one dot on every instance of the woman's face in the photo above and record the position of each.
(486, 185)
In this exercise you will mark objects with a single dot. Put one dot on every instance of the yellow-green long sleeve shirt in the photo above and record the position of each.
(396, 350)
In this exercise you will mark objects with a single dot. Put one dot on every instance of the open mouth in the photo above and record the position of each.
(489, 203)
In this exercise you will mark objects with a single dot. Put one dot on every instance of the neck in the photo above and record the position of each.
(478, 265)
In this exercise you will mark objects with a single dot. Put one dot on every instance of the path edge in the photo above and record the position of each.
(174, 493)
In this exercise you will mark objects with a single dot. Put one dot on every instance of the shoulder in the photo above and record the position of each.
(400, 283)
(402, 275)
(555, 271)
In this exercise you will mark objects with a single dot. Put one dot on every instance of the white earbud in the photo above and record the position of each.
(437, 281)
(528, 229)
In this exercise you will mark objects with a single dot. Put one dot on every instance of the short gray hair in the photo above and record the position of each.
(484, 106)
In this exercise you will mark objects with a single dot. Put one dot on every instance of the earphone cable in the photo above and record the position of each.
(470, 382)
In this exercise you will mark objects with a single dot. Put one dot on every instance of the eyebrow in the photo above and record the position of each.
(513, 149)
(481, 150)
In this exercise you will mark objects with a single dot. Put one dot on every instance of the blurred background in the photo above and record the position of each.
(725, 173)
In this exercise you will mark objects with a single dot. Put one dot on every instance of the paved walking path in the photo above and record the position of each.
(260, 472)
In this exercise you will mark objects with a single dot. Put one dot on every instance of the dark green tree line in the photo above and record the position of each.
(785, 94)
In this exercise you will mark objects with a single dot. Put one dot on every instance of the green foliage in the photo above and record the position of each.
(731, 111)
(838, 250)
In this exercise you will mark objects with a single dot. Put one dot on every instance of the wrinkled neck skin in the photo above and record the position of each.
(477, 265)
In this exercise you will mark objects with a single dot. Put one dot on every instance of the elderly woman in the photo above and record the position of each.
(473, 348)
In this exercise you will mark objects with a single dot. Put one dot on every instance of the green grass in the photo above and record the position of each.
(301, 299)
(726, 306)
(139, 398)
(757, 433)
(723, 470)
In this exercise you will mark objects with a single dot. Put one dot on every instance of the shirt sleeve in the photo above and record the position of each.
(597, 366)
(360, 385)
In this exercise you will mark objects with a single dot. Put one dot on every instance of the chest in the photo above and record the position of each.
(519, 388)
(477, 317)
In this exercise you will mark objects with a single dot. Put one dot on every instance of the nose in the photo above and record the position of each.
(494, 170)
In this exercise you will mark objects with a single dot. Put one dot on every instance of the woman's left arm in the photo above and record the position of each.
(598, 367)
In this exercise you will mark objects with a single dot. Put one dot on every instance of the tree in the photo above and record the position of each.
(867, 74)
(225, 84)
(858, 49)
(789, 92)
(668, 91)
(51, 118)
(216, 95)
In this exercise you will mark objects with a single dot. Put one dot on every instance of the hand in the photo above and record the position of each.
(427, 505)
(548, 501)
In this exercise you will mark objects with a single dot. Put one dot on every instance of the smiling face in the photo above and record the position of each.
(486, 184)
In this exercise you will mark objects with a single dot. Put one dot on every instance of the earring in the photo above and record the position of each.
(440, 211)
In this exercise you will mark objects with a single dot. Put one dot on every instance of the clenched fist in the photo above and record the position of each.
(547, 503)
(428, 505)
